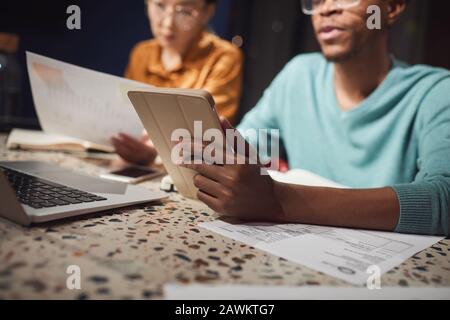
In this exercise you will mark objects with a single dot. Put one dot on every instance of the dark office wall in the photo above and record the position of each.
(109, 29)
(437, 38)
(273, 31)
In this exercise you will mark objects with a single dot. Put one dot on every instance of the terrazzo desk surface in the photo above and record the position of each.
(130, 253)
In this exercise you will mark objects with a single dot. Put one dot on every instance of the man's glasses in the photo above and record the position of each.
(184, 16)
(312, 7)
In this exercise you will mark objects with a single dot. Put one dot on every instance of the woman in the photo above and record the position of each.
(182, 55)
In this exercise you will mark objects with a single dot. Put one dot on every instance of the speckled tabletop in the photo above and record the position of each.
(130, 253)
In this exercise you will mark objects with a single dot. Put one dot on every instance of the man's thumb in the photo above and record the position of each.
(225, 123)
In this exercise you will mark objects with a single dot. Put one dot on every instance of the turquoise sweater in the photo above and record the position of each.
(398, 137)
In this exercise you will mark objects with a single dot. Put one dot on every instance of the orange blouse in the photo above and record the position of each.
(212, 64)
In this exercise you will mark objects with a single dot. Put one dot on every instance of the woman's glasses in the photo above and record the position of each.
(184, 15)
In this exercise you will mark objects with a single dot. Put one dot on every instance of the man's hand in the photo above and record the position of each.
(241, 191)
(238, 190)
(141, 152)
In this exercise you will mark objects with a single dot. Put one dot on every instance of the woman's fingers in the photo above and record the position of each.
(139, 153)
(131, 142)
(123, 150)
(120, 146)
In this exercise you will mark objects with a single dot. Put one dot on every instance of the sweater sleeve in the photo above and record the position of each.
(425, 203)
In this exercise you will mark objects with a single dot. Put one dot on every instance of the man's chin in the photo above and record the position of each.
(336, 52)
(337, 56)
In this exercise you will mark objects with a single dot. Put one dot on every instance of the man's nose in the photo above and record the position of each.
(328, 7)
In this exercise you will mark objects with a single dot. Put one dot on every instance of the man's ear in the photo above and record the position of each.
(395, 8)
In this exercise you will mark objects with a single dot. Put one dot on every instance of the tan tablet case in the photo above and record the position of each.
(164, 110)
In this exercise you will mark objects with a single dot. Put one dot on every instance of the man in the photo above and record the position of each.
(355, 115)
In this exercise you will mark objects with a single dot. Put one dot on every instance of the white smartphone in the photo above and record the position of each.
(132, 174)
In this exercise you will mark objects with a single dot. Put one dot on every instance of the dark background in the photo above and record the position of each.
(273, 32)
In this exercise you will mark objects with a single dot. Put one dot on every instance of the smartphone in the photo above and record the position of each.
(132, 174)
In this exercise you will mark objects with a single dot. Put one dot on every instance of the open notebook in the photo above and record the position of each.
(39, 140)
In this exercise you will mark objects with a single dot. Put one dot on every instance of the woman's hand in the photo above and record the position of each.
(141, 152)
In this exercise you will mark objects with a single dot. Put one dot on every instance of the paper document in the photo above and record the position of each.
(343, 253)
(82, 103)
(307, 178)
(248, 292)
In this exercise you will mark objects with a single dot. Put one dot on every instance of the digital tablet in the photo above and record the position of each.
(162, 111)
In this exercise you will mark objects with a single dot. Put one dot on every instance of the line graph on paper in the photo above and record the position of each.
(81, 103)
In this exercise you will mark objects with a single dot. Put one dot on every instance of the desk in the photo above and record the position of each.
(130, 253)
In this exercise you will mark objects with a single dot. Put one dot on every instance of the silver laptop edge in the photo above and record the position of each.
(117, 194)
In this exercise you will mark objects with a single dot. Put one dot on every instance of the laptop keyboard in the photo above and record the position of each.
(39, 193)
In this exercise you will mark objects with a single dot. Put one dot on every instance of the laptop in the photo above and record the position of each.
(35, 192)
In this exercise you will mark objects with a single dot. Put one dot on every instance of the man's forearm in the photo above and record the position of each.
(377, 209)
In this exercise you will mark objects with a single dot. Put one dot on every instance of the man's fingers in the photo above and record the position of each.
(204, 152)
(219, 152)
(241, 147)
(225, 123)
(210, 201)
(212, 172)
(207, 185)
